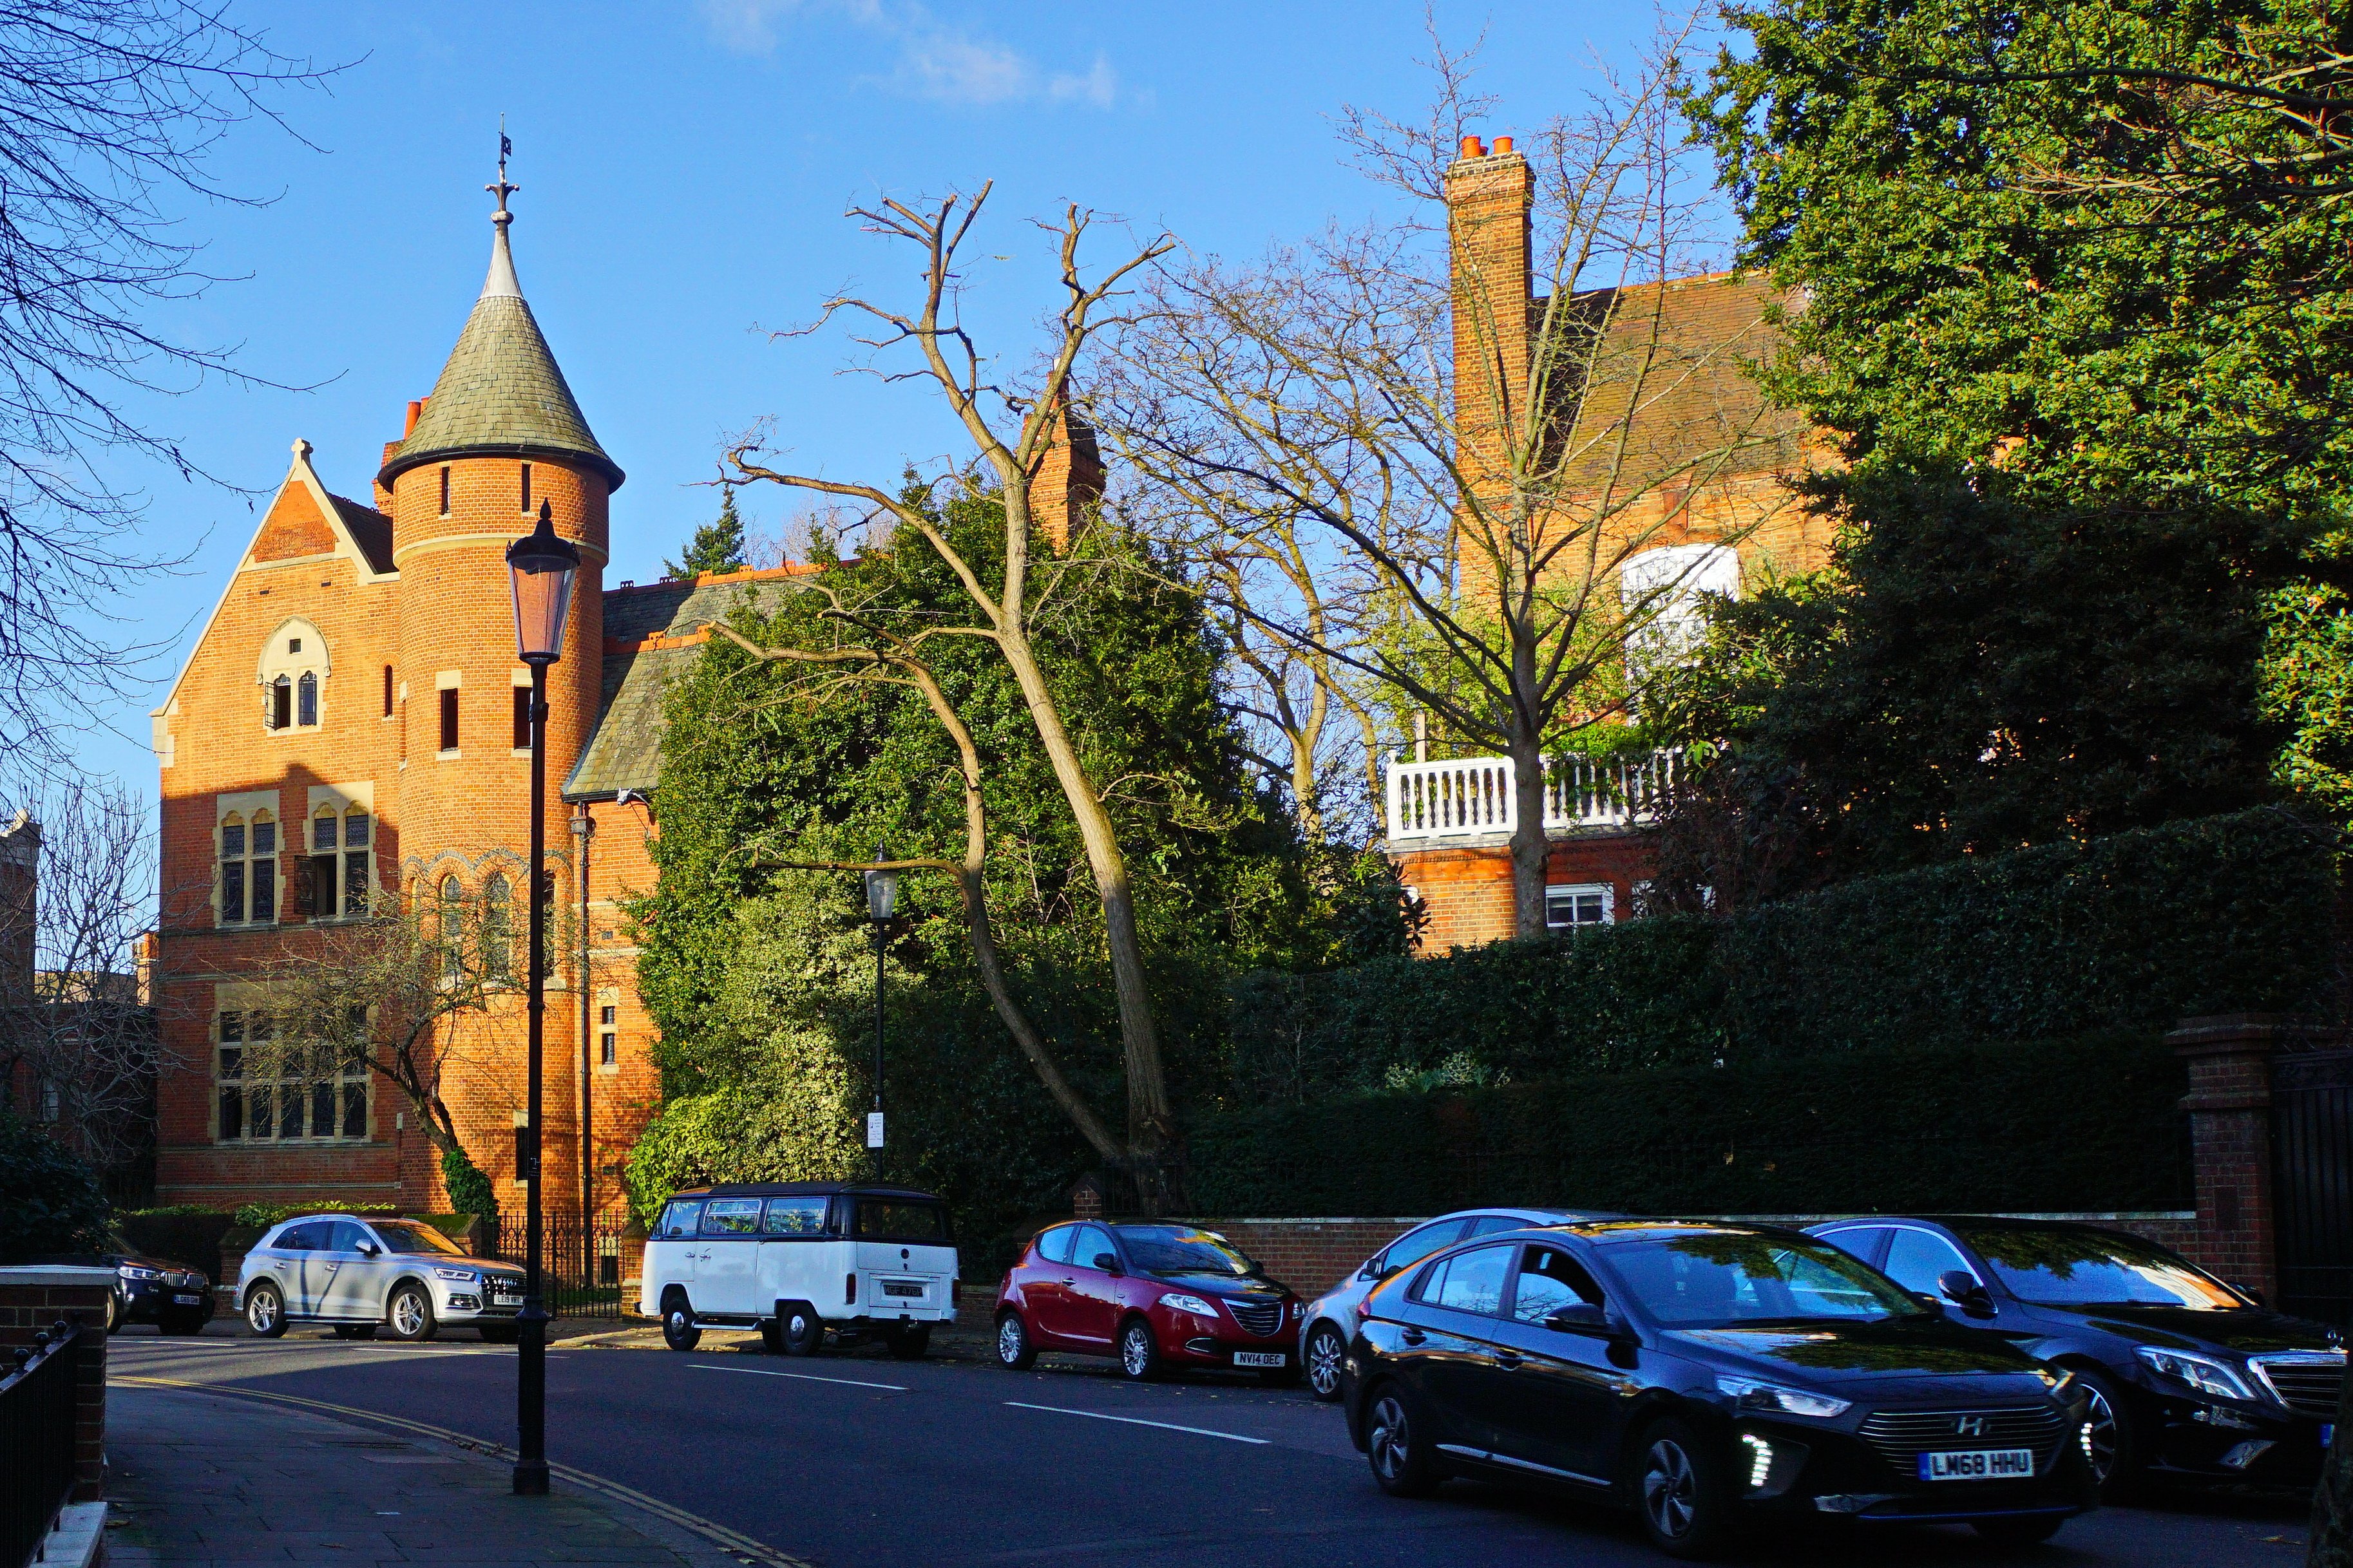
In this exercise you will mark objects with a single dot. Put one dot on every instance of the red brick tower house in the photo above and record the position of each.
(351, 723)
(1450, 818)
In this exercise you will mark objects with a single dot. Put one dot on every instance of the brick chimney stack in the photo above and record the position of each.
(1067, 481)
(1490, 196)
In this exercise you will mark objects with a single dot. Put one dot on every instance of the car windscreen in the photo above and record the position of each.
(1173, 1249)
(1715, 1280)
(898, 1219)
(2090, 1267)
(401, 1236)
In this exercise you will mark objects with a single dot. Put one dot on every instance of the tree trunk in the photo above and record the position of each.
(1529, 845)
(1151, 1126)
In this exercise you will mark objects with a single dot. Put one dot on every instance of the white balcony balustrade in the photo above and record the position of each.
(1473, 795)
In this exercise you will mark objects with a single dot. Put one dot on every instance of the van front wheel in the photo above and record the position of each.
(679, 1331)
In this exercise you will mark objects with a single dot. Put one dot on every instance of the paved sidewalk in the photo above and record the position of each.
(206, 1479)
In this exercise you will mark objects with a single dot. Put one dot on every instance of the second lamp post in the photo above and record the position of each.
(882, 892)
(541, 566)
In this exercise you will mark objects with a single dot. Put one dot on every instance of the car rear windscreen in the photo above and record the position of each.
(891, 1219)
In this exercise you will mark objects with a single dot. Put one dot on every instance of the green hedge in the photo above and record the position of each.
(2135, 932)
(2091, 1122)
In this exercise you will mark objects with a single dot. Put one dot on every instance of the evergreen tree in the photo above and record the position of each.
(716, 548)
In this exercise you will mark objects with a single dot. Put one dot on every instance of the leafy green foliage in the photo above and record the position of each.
(2093, 417)
(2136, 931)
(261, 1217)
(470, 1189)
(1880, 1129)
(717, 546)
(761, 976)
(53, 1202)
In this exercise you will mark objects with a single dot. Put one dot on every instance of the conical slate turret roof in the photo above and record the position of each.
(500, 393)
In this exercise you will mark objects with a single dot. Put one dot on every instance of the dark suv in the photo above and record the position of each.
(1700, 1372)
(2184, 1373)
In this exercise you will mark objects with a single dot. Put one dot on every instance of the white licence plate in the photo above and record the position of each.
(903, 1287)
(1261, 1358)
(1978, 1464)
(187, 1301)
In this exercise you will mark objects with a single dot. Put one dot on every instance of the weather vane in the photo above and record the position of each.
(504, 188)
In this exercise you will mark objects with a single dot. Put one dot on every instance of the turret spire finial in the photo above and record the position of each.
(504, 187)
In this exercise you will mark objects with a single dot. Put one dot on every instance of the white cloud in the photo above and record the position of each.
(946, 64)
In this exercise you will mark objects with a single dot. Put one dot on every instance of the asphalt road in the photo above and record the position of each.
(858, 1461)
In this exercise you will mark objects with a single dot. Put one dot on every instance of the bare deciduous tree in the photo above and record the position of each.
(108, 109)
(1490, 439)
(80, 1032)
(1007, 453)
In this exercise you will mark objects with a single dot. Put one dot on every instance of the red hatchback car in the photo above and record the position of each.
(1154, 1296)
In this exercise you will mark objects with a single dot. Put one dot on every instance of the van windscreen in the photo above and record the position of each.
(889, 1219)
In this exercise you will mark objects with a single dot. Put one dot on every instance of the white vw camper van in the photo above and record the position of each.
(802, 1261)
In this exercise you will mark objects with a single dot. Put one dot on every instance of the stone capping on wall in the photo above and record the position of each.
(33, 1298)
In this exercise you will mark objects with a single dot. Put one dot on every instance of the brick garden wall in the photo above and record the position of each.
(32, 1299)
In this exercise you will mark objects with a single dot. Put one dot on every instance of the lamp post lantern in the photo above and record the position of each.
(882, 892)
(541, 566)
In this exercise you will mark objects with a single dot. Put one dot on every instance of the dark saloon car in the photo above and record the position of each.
(175, 1298)
(2183, 1373)
(1703, 1373)
(1156, 1296)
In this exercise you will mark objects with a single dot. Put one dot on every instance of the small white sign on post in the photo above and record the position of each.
(874, 1130)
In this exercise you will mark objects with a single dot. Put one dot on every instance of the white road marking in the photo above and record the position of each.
(1136, 1421)
(804, 1376)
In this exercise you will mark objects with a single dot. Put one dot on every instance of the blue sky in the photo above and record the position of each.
(685, 166)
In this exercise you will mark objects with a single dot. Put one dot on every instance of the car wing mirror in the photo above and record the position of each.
(369, 1249)
(1109, 1263)
(1578, 1318)
(1961, 1287)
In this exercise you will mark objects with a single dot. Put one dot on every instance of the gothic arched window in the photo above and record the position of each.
(498, 928)
(306, 700)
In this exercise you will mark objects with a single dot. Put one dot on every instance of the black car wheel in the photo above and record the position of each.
(679, 1331)
(2115, 1447)
(1325, 1352)
(265, 1313)
(1139, 1352)
(911, 1344)
(1678, 1491)
(410, 1313)
(2018, 1531)
(802, 1330)
(1014, 1351)
(1396, 1445)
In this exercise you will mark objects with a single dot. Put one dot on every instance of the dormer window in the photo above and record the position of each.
(293, 674)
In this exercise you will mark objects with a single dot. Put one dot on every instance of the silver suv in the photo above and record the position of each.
(359, 1274)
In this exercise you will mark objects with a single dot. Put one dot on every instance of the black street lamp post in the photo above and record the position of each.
(882, 892)
(541, 566)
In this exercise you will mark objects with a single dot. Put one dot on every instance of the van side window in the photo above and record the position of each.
(679, 1220)
(731, 1216)
(1054, 1247)
(795, 1216)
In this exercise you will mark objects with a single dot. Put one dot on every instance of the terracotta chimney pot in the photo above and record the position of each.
(1471, 148)
(415, 407)
(1503, 146)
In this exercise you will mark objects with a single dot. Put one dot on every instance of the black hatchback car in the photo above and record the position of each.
(2184, 1373)
(1702, 1372)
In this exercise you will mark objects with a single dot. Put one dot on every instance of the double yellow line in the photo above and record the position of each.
(733, 1543)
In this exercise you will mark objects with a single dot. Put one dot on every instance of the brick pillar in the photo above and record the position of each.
(31, 1300)
(1087, 1197)
(633, 1264)
(2230, 1106)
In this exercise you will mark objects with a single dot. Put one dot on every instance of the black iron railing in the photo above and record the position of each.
(36, 1441)
(580, 1269)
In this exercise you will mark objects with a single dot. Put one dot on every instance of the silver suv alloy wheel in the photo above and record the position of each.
(261, 1311)
(1670, 1488)
(1323, 1354)
(407, 1314)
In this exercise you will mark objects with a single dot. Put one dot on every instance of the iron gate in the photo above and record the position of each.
(2312, 1181)
(580, 1262)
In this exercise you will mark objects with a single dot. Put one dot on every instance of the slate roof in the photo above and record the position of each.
(370, 530)
(501, 391)
(652, 636)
